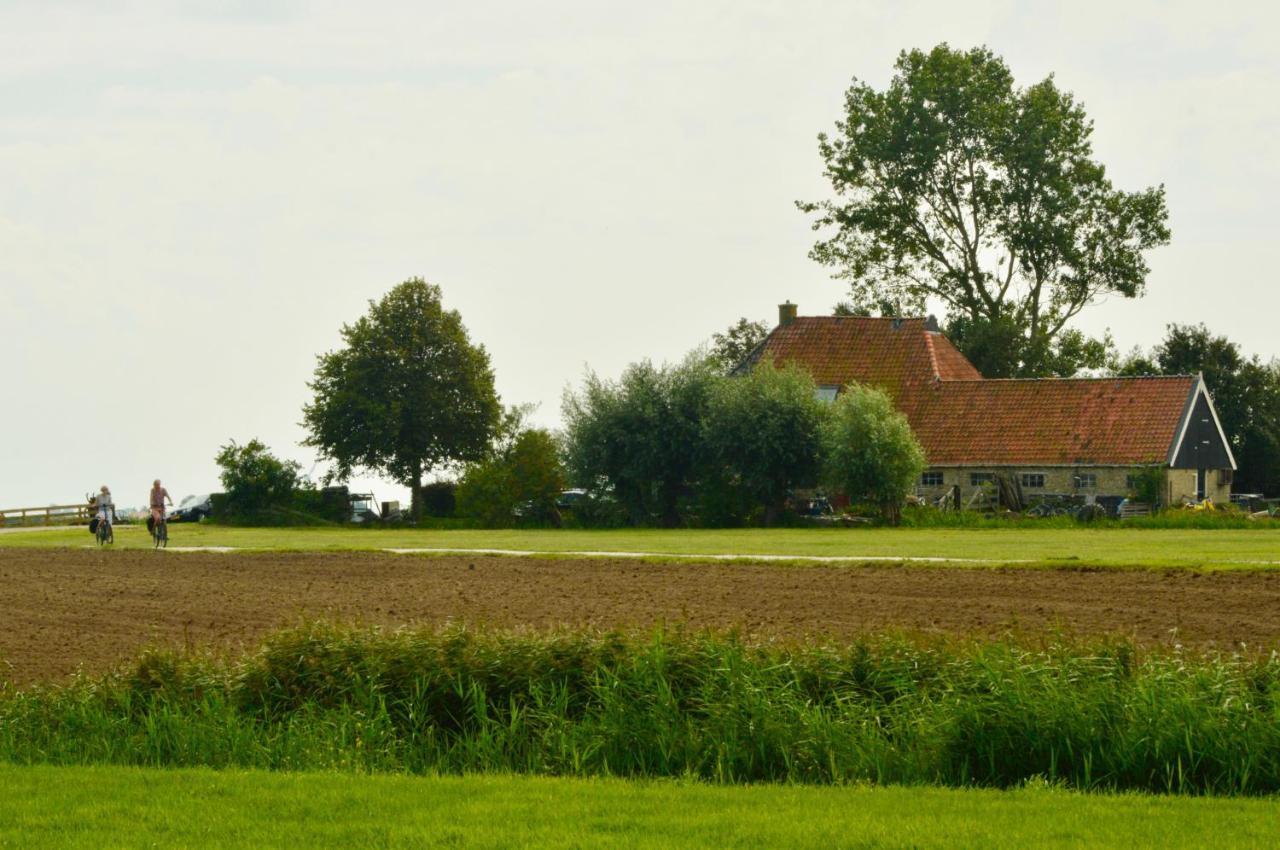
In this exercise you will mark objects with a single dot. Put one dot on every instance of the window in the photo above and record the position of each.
(931, 479)
(1131, 482)
(826, 393)
(1086, 481)
(1033, 480)
(977, 479)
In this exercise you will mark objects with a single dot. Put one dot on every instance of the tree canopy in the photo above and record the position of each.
(954, 185)
(1246, 394)
(730, 348)
(408, 393)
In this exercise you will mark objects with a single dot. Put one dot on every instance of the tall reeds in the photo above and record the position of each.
(886, 710)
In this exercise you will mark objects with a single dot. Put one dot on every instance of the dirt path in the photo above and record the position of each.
(63, 608)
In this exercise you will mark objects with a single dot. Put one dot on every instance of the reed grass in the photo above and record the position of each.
(1095, 716)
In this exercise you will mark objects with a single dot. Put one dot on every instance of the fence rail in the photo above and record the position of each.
(46, 515)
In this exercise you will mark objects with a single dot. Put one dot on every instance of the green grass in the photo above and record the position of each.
(1090, 716)
(1217, 548)
(86, 807)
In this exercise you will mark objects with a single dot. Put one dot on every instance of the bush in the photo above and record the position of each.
(254, 480)
(763, 437)
(439, 498)
(520, 482)
(869, 451)
(640, 435)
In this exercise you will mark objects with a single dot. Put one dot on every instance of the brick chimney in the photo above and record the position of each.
(786, 313)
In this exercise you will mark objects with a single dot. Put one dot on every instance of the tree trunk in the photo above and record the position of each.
(415, 496)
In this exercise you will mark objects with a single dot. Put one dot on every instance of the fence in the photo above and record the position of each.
(48, 515)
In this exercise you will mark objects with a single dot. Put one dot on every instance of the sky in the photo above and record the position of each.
(194, 197)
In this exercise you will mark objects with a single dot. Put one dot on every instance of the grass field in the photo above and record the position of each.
(129, 807)
(1217, 548)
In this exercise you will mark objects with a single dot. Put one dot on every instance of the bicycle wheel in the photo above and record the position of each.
(101, 533)
(162, 534)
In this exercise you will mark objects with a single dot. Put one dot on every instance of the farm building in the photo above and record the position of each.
(1052, 436)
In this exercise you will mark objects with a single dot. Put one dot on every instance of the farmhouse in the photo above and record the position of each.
(1084, 437)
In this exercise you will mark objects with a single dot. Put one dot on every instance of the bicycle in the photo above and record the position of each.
(160, 532)
(105, 534)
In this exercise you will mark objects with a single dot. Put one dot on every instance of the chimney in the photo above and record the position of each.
(786, 314)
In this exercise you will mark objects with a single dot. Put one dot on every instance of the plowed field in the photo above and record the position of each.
(62, 609)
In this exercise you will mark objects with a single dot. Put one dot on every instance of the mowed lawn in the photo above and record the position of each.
(130, 807)
(1217, 548)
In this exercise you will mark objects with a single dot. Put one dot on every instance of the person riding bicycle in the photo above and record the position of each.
(159, 496)
(106, 508)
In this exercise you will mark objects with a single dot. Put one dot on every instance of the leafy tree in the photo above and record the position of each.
(869, 451)
(1246, 394)
(730, 348)
(640, 435)
(763, 434)
(407, 394)
(955, 185)
(524, 476)
(254, 479)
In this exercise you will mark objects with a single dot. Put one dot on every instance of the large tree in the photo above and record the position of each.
(1246, 394)
(408, 393)
(954, 185)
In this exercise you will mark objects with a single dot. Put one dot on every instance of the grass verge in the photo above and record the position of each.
(1250, 548)
(1088, 716)
(113, 807)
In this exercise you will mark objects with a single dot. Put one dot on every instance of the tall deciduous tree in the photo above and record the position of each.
(954, 185)
(408, 393)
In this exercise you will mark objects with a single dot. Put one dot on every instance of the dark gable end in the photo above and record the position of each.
(1200, 442)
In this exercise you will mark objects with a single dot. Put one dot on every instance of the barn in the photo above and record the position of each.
(1054, 437)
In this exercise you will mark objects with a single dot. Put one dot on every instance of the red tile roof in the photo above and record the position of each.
(887, 353)
(962, 419)
(1051, 422)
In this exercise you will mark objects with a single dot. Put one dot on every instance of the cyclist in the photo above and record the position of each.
(106, 508)
(159, 496)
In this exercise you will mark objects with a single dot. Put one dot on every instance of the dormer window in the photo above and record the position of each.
(826, 393)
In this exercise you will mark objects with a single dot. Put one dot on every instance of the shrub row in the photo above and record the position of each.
(886, 710)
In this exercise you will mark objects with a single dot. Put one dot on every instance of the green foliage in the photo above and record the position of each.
(408, 392)
(729, 349)
(763, 435)
(1246, 394)
(954, 185)
(1097, 716)
(1149, 484)
(439, 498)
(255, 481)
(640, 435)
(521, 480)
(869, 451)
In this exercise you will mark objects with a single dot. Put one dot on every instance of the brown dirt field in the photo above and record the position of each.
(60, 609)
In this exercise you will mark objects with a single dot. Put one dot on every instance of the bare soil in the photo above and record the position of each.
(66, 609)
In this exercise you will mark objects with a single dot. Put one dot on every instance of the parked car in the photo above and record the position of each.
(192, 509)
(568, 498)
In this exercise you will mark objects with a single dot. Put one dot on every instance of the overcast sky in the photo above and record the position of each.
(193, 202)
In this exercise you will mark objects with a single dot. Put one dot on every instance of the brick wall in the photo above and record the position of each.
(1076, 481)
